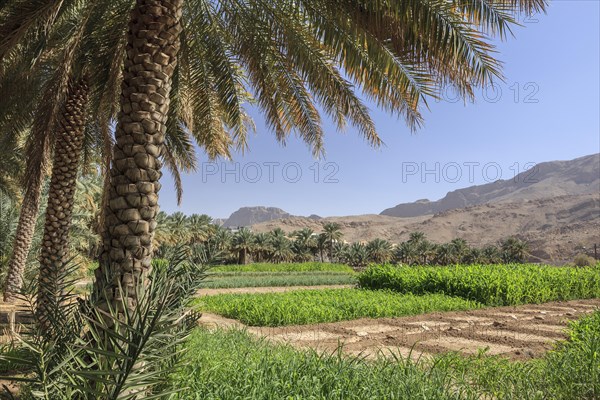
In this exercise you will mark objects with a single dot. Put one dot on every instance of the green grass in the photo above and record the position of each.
(233, 364)
(327, 305)
(262, 279)
(493, 285)
(283, 267)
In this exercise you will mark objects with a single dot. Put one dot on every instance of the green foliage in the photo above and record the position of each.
(328, 305)
(233, 364)
(8, 225)
(493, 285)
(85, 349)
(262, 279)
(283, 267)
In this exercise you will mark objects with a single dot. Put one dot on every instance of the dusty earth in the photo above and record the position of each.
(517, 333)
(267, 289)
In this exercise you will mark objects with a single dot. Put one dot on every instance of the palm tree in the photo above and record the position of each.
(473, 256)
(262, 246)
(514, 250)
(491, 254)
(443, 255)
(281, 247)
(8, 226)
(242, 244)
(199, 227)
(332, 233)
(416, 237)
(406, 253)
(61, 196)
(290, 52)
(322, 245)
(304, 244)
(459, 248)
(356, 255)
(379, 251)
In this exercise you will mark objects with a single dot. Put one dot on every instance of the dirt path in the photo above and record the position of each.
(267, 289)
(521, 332)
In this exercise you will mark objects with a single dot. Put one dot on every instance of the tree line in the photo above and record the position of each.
(242, 245)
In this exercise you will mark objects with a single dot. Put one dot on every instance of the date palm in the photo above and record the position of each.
(242, 244)
(280, 248)
(460, 248)
(379, 251)
(356, 255)
(333, 234)
(514, 250)
(296, 55)
(304, 244)
(261, 246)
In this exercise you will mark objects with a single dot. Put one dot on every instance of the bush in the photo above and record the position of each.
(583, 260)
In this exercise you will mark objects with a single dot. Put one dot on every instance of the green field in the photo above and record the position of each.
(329, 305)
(492, 285)
(235, 365)
(237, 279)
(283, 267)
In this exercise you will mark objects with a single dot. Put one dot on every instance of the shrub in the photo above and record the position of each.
(583, 260)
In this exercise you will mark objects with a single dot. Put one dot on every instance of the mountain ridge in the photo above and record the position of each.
(547, 179)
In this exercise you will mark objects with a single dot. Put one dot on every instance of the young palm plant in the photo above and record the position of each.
(94, 352)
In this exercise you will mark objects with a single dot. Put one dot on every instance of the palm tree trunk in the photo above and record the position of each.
(130, 214)
(65, 165)
(23, 239)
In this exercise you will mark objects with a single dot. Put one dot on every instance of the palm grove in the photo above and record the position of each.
(240, 246)
(123, 88)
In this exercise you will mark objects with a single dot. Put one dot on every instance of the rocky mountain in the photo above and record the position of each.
(246, 216)
(545, 180)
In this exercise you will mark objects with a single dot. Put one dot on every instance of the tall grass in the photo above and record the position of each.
(262, 279)
(328, 305)
(283, 267)
(493, 285)
(232, 364)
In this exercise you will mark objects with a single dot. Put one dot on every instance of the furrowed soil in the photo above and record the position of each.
(518, 333)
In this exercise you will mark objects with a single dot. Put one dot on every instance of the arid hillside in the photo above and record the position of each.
(544, 180)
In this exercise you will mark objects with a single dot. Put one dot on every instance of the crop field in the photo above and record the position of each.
(283, 267)
(262, 279)
(327, 305)
(492, 285)
(233, 364)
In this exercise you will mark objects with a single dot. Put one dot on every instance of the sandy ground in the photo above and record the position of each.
(267, 289)
(517, 333)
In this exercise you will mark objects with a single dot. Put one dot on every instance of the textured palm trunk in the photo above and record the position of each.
(65, 165)
(130, 215)
(23, 239)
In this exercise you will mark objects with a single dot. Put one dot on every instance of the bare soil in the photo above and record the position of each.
(518, 333)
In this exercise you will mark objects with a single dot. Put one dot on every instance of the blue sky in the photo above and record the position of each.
(548, 109)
